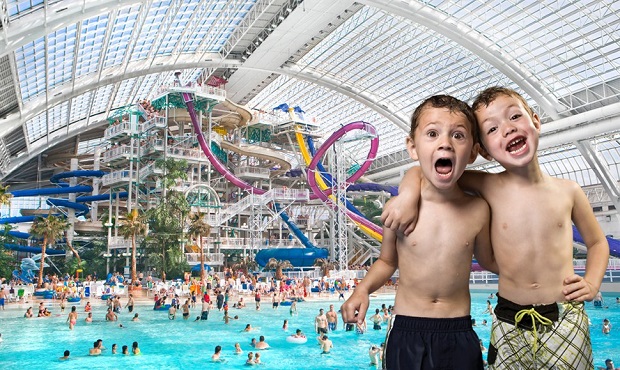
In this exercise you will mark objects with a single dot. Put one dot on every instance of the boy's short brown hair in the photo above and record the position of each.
(453, 104)
(488, 95)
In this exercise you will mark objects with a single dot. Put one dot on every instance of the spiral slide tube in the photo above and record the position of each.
(318, 186)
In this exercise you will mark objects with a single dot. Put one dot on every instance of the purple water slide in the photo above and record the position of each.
(317, 193)
(372, 153)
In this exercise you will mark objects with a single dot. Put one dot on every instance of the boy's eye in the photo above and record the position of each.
(432, 134)
(491, 130)
(459, 135)
(515, 116)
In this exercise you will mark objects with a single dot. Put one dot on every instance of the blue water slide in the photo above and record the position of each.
(100, 197)
(294, 229)
(298, 257)
(614, 244)
(23, 248)
(64, 188)
(52, 191)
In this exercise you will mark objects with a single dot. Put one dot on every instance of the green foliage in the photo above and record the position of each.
(173, 171)
(50, 229)
(166, 222)
(8, 263)
(370, 207)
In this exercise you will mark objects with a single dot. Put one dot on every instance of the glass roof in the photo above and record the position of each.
(565, 53)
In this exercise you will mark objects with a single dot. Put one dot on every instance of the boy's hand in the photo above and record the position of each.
(354, 309)
(400, 214)
(576, 288)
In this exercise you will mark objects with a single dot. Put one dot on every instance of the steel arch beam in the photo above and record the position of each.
(473, 41)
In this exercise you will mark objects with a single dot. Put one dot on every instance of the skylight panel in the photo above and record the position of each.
(79, 107)
(91, 42)
(153, 24)
(89, 146)
(102, 99)
(124, 93)
(60, 51)
(121, 34)
(30, 62)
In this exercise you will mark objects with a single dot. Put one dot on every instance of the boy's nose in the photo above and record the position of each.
(445, 143)
(508, 129)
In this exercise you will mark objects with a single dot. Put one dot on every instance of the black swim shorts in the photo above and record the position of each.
(416, 343)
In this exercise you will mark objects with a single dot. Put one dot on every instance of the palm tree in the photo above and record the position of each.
(197, 229)
(5, 197)
(50, 229)
(132, 225)
(246, 265)
(325, 265)
(278, 265)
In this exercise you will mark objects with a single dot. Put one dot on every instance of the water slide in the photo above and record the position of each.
(614, 244)
(239, 182)
(64, 188)
(260, 152)
(322, 190)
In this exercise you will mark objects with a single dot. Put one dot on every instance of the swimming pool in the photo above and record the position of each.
(179, 344)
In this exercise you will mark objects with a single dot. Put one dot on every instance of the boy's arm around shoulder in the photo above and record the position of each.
(577, 288)
(378, 274)
(482, 246)
(400, 213)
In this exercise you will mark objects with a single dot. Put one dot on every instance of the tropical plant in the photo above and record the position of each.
(50, 229)
(5, 196)
(370, 207)
(198, 228)
(278, 265)
(166, 221)
(131, 226)
(246, 265)
(325, 265)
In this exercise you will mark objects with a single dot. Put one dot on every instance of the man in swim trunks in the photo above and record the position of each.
(185, 309)
(130, 303)
(321, 322)
(332, 318)
(376, 320)
(326, 344)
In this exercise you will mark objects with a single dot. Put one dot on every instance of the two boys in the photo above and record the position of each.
(432, 323)
(540, 321)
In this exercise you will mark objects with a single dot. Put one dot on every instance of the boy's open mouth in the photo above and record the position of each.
(516, 146)
(443, 166)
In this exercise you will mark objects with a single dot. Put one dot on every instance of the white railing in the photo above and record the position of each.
(194, 88)
(300, 195)
(119, 151)
(213, 259)
(112, 131)
(117, 242)
(114, 177)
(186, 152)
(249, 170)
(613, 264)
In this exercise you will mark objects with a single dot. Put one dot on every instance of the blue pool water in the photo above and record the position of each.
(37, 343)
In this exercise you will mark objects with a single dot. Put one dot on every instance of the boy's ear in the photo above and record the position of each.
(483, 152)
(536, 121)
(411, 148)
(475, 149)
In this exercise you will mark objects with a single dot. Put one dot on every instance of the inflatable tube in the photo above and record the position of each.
(73, 299)
(162, 308)
(286, 303)
(105, 297)
(296, 340)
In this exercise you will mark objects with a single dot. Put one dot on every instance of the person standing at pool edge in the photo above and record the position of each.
(432, 322)
(532, 241)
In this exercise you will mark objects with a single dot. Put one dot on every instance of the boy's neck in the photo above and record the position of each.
(431, 193)
(529, 174)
